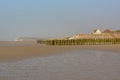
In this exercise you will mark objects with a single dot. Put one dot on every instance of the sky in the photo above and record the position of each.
(56, 18)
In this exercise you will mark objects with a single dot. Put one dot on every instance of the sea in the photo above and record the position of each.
(74, 65)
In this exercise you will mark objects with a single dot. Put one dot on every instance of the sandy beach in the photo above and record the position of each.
(31, 61)
(16, 51)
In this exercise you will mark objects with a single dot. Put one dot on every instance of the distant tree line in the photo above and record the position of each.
(108, 41)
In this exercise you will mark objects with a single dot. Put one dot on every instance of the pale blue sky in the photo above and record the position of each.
(56, 18)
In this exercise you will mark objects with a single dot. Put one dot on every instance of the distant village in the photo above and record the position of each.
(96, 37)
(95, 34)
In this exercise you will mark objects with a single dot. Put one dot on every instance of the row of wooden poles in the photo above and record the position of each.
(109, 41)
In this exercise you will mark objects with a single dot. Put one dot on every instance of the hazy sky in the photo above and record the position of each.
(56, 18)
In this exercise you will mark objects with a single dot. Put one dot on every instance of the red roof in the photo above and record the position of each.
(107, 31)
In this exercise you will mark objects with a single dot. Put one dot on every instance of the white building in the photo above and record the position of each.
(78, 36)
(96, 31)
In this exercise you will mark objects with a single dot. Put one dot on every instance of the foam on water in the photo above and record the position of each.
(76, 65)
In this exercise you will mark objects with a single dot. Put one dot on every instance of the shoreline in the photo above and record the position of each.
(18, 52)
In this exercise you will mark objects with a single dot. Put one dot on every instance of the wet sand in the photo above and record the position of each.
(18, 51)
(73, 65)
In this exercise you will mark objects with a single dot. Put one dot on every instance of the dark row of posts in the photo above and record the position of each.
(108, 41)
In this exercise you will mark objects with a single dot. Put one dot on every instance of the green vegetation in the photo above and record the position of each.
(118, 31)
(82, 42)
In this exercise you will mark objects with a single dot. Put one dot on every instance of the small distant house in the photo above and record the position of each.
(107, 31)
(77, 36)
(74, 37)
(96, 31)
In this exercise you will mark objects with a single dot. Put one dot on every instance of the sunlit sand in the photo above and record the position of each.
(17, 51)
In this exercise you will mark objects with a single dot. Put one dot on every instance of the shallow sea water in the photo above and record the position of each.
(75, 65)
